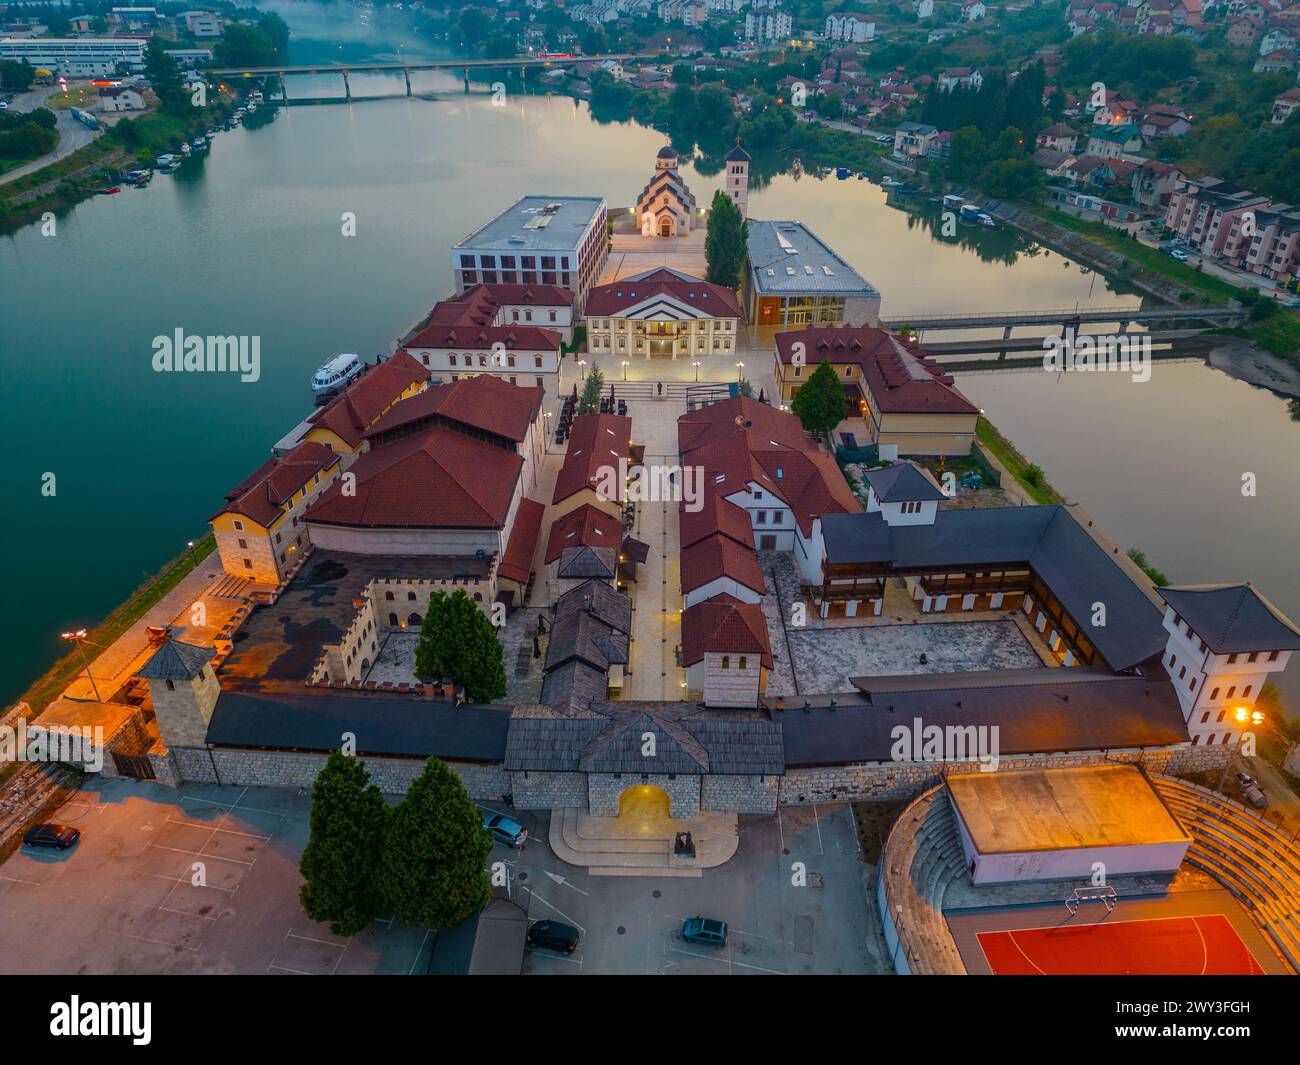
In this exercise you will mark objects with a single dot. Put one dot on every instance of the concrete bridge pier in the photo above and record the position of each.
(347, 87)
(1123, 327)
(284, 89)
(1006, 333)
(467, 81)
(407, 72)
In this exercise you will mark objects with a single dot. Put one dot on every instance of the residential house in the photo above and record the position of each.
(850, 26)
(1110, 142)
(912, 140)
(1284, 104)
(1058, 137)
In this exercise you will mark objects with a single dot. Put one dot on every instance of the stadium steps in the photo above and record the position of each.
(1259, 865)
(917, 866)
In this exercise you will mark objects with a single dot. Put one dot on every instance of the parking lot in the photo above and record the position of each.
(205, 880)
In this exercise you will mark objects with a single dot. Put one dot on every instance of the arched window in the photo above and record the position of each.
(388, 596)
(478, 597)
(726, 661)
(414, 619)
(392, 620)
(410, 596)
(743, 661)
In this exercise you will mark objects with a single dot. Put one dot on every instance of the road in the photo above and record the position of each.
(72, 134)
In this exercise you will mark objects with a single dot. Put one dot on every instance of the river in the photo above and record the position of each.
(248, 242)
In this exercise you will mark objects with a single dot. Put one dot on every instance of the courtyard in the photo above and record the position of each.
(204, 879)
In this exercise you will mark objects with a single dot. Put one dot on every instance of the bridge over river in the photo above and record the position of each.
(1009, 320)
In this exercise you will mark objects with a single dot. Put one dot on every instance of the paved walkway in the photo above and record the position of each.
(72, 134)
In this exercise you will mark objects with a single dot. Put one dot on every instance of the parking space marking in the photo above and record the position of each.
(533, 894)
(20, 880)
(217, 828)
(200, 854)
(726, 959)
(817, 820)
(286, 969)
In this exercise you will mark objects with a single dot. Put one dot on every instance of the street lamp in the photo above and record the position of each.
(79, 638)
(740, 371)
(697, 371)
(193, 557)
(625, 369)
(582, 366)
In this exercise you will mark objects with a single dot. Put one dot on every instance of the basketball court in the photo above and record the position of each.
(1185, 933)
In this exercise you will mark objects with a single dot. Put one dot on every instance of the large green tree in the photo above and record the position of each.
(819, 403)
(165, 77)
(727, 244)
(343, 853)
(458, 641)
(434, 865)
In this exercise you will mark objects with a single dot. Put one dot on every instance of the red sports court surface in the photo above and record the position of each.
(1201, 945)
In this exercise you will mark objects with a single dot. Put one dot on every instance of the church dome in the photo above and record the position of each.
(666, 152)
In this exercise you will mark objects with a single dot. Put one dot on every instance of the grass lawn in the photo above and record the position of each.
(60, 675)
(83, 96)
(1016, 463)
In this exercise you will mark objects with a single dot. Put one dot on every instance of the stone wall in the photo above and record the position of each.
(742, 795)
(535, 790)
(294, 769)
(604, 789)
(886, 781)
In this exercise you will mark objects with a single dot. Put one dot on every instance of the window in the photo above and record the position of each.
(171, 686)
(243, 544)
(1254, 656)
(777, 517)
(388, 596)
(1232, 691)
(742, 662)
(392, 619)
(726, 661)
(537, 361)
(1182, 673)
(1232, 659)
(1205, 717)
(552, 316)
(248, 564)
(1214, 695)
(451, 359)
(760, 517)
(239, 525)
(410, 596)
(510, 360)
(1272, 656)
(1245, 694)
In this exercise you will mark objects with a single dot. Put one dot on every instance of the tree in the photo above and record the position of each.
(589, 401)
(819, 403)
(726, 246)
(473, 25)
(165, 77)
(433, 870)
(244, 46)
(458, 641)
(347, 836)
(16, 75)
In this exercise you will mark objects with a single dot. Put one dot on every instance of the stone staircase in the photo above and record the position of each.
(1254, 861)
(598, 845)
(922, 857)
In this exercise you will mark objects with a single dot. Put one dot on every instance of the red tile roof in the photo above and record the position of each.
(468, 321)
(719, 556)
(595, 440)
(716, 516)
(584, 526)
(724, 625)
(481, 402)
(435, 480)
(262, 493)
(901, 378)
(352, 413)
(713, 301)
(517, 561)
(735, 416)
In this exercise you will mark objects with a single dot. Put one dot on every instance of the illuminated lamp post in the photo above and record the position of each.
(79, 638)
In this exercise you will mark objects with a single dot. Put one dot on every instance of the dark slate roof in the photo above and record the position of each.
(740, 747)
(621, 750)
(1232, 618)
(550, 744)
(737, 155)
(609, 741)
(901, 482)
(606, 603)
(583, 561)
(1078, 568)
(575, 685)
(1102, 713)
(175, 660)
(407, 727)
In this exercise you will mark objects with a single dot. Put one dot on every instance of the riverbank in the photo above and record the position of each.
(132, 142)
(50, 685)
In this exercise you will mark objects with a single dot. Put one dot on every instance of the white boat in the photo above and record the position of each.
(336, 373)
(165, 160)
(200, 142)
(185, 148)
(890, 183)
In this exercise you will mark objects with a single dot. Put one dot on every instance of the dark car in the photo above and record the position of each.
(553, 936)
(60, 837)
(705, 930)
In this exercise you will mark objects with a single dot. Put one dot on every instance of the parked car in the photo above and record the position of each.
(504, 830)
(1251, 791)
(552, 935)
(60, 837)
(706, 931)
(1179, 254)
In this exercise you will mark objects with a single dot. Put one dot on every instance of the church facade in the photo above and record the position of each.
(666, 207)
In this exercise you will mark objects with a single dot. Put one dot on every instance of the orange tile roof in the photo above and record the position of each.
(595, 441)
(481, 402)
(723, 625)
(517, 561)
(263, 492)
(584, 526)
(363, 401)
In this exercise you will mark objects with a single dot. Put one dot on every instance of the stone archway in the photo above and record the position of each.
(644, 802)
(665, 227)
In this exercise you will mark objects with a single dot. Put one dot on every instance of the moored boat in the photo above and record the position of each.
(336, 374)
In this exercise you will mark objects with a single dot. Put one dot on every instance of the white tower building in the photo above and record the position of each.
(738, 178)
(1224, 642)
